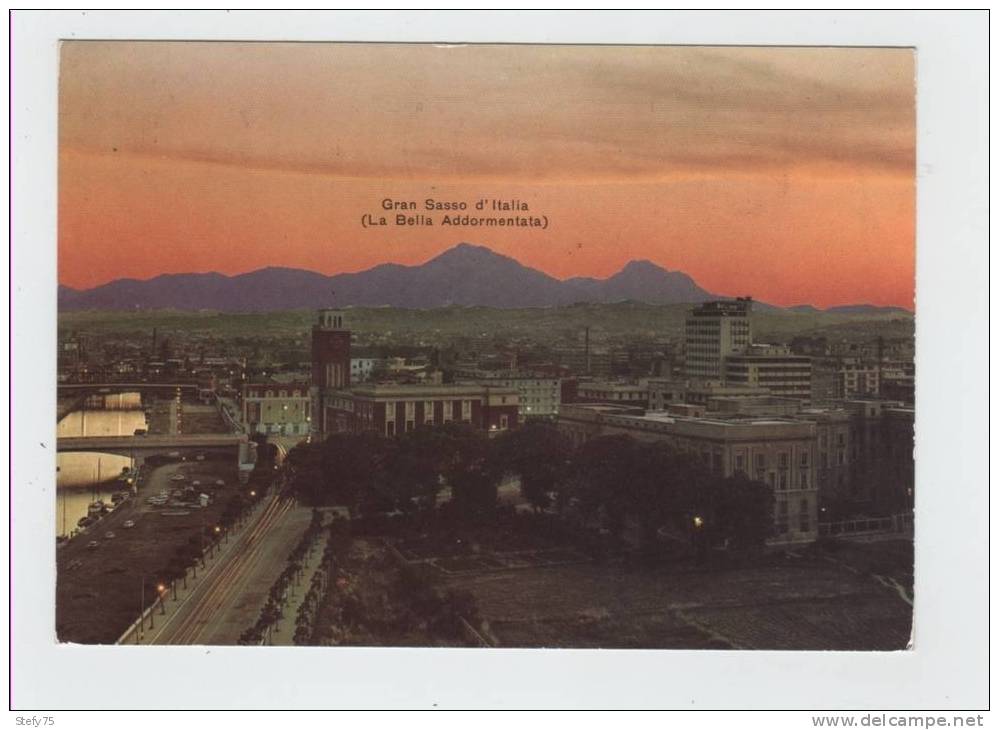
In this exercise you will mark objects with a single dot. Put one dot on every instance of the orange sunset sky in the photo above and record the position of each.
(783, 173)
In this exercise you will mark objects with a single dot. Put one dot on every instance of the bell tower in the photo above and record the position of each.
(330, 362)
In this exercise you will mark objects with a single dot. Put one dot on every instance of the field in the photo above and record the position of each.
(604, 606)
(373, 606)
(800, 601)
(530, 588)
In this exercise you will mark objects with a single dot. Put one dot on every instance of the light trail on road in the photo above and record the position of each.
(220, 584)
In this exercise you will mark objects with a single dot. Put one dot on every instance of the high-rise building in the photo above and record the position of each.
(714, 331)
(539, 393)
(330, 363)
(772, 367)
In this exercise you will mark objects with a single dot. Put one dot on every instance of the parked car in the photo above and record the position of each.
(93, 544)
(219, 483)
(128, 524)
(109, 535)
(178, 478)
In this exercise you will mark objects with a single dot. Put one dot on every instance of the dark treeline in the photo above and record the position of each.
(611, 482)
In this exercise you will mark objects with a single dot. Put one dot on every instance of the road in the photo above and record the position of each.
(227, 596)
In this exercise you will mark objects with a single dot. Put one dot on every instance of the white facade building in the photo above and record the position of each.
(713, 332)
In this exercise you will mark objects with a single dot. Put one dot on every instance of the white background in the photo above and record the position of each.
(947, 667)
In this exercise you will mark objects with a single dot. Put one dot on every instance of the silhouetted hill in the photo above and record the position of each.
(865, 309)
(464, 275)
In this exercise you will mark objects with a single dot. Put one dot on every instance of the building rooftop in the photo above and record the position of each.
(622, 413)
(280, 384)
(417, 389)
(740, 306)
(610, 386)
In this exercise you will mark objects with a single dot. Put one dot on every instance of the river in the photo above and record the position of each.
(81, 478)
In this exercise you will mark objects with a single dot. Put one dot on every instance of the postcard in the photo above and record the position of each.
(547, 346)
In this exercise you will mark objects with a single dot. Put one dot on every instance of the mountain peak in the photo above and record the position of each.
(467, 251)
(642, 266)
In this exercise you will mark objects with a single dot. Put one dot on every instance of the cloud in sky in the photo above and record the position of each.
(787, 173)
(543, 112)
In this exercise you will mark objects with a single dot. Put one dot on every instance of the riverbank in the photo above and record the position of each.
(99, 589)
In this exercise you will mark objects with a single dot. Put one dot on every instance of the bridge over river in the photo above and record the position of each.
(67, 388)
(139, 447)
(73, 396)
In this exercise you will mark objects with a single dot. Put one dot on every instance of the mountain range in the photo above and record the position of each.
(465, 275)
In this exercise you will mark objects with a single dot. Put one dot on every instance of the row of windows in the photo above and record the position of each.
(296, 393)
(760, 462)
(771, 372)
(840, 458)
(335, 377)
(716, 322)
(693, 342)
(632, 395)
(410, 425)
(293, 407)
(286, 429)
(428, 409)
(840, 440)
(804, 517)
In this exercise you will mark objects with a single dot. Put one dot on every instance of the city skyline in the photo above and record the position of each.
(696, 159)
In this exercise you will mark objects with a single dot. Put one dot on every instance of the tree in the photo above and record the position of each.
(305, 475)
(744, 512)
(175, 570)
(539, 453)
(474, 492)
(596, 475)
(414, 464)
(346, 468)
(473, 467)
(655, 487)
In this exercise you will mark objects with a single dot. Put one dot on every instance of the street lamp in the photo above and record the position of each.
(161, 589)
(698, 521)
(142, 609)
